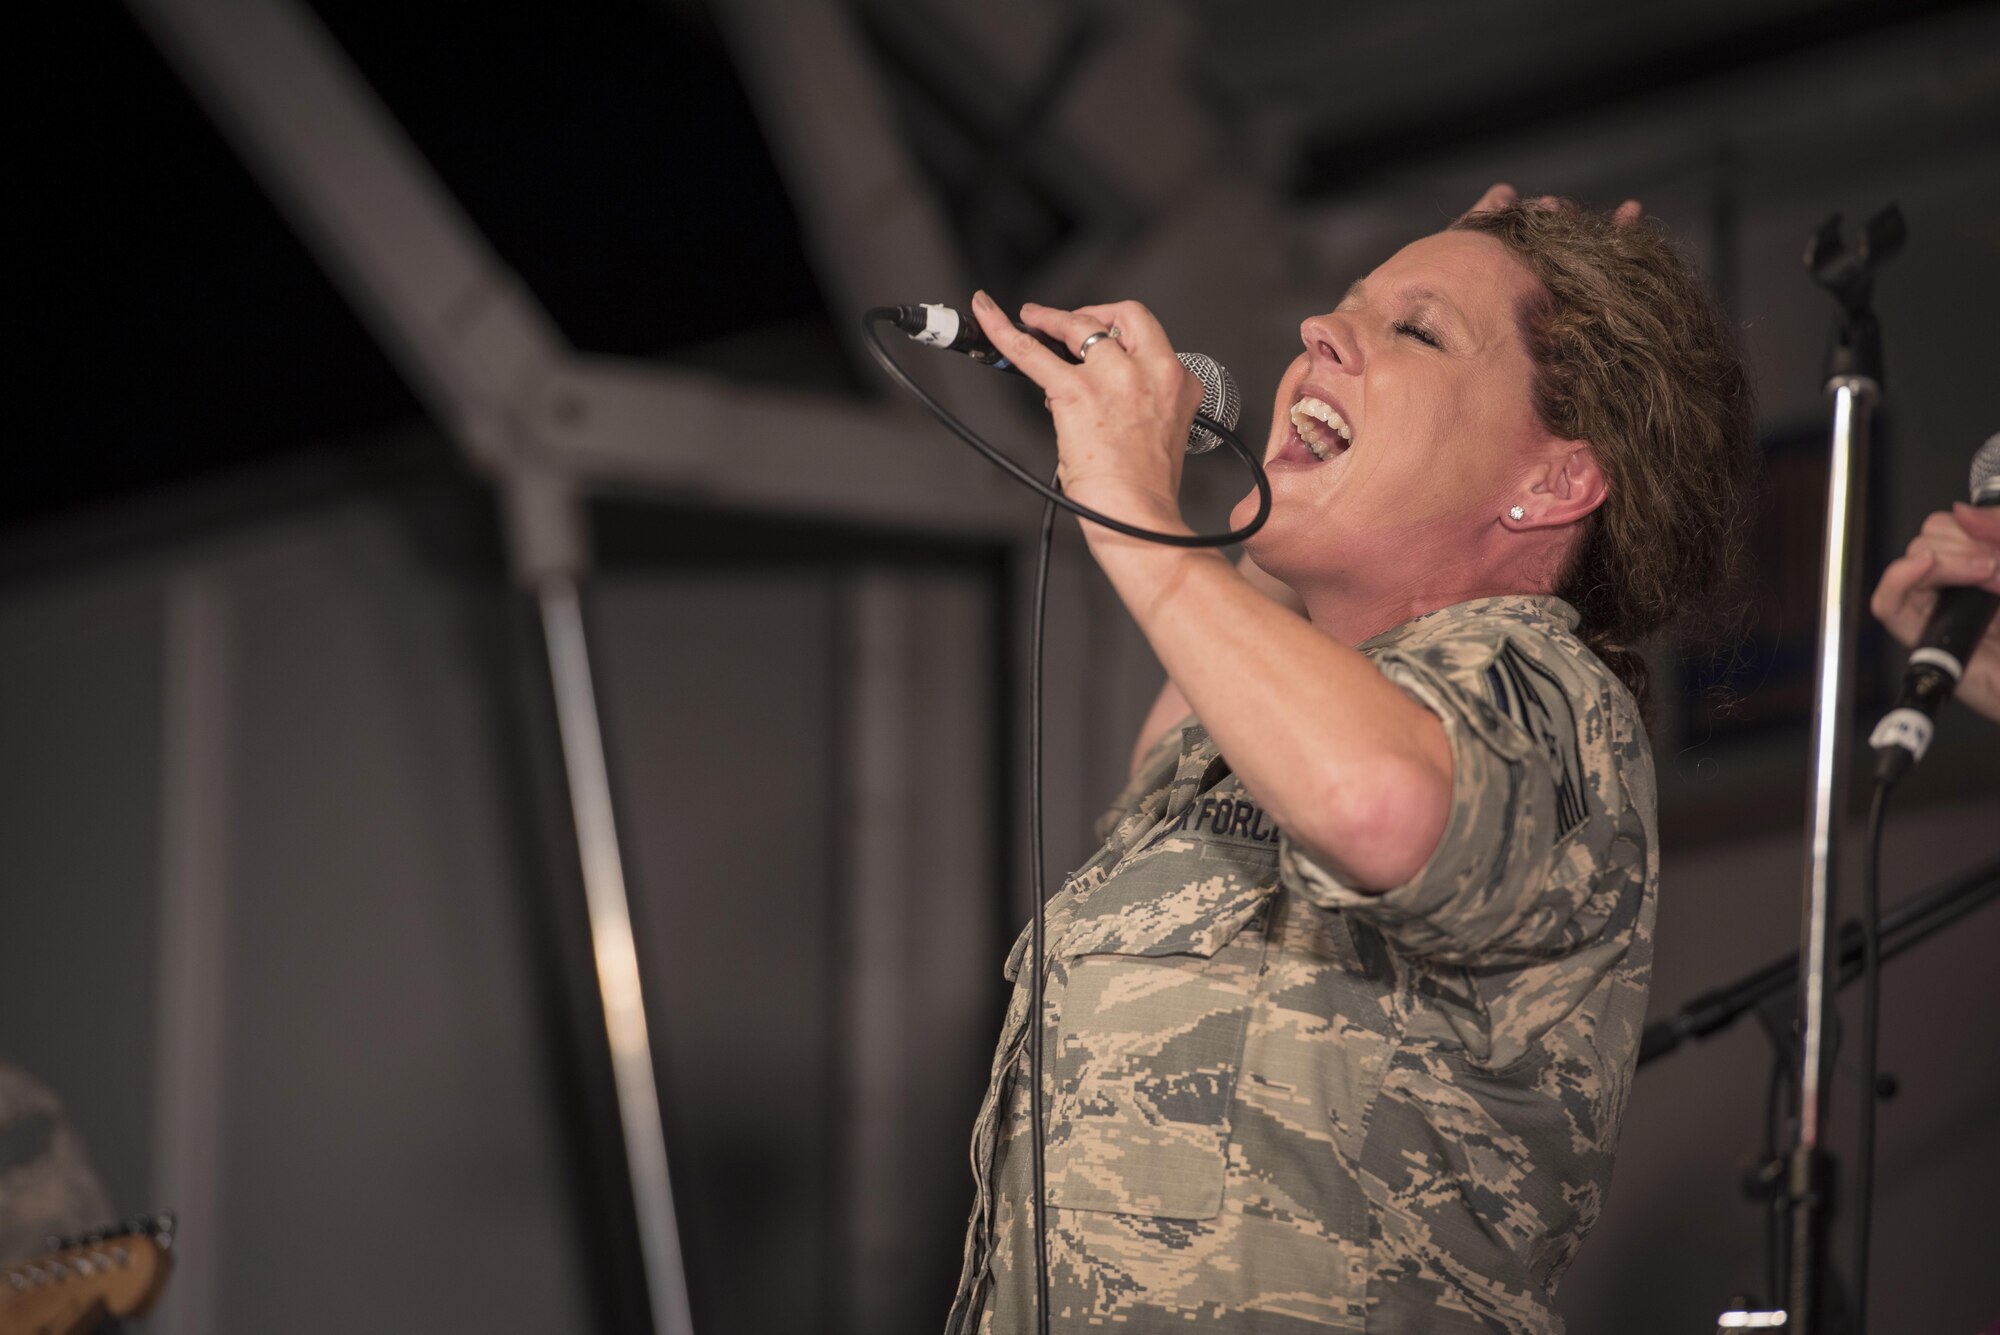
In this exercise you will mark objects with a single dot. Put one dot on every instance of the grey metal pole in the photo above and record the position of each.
(616, 955)
(1854, 380)
(1833, 696)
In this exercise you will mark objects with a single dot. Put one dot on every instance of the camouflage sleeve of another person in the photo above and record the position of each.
(1539, 812)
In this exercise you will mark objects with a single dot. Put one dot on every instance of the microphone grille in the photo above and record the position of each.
(1221, 401)
(1986, 472)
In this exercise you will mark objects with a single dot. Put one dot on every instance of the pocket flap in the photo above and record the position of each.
(1197, 919)
(1129, 916)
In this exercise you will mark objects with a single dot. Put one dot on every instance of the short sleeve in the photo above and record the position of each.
(1497, 887)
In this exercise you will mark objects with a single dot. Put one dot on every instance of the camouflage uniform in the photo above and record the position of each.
(46, 1182)
(1279, 1105)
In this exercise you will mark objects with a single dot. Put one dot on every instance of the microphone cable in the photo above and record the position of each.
(1052, 499)
(1871, 1013)
(1051, 492)
(1950, 639)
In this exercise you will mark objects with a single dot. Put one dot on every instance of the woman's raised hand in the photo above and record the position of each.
(1960, 546)
(1122, 415)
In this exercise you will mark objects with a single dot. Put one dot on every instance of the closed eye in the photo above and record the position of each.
(1418, 332)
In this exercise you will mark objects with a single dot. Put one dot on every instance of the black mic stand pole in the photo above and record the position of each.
(1770, 992)
(1854, 381)
(1916, 919)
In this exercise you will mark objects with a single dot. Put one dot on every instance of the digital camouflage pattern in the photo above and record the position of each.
(1279, 1105)
(47, 1185)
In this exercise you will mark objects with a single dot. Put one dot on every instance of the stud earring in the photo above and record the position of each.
(1517, 513)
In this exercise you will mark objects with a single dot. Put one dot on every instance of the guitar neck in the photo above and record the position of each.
(71, 1289)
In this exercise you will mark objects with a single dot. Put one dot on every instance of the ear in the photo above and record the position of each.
(1563, 488)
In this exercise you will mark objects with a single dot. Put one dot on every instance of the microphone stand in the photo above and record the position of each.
(1854, 381)
(1769, 992)
(1918, 918)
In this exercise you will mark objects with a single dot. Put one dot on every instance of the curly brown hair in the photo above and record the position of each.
(1633, 354)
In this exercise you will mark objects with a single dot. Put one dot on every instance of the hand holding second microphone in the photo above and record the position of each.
(1957, 548)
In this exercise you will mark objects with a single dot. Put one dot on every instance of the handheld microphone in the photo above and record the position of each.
(1936, 664)
(943, 328)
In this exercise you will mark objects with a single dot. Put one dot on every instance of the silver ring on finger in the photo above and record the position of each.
(1083, 348)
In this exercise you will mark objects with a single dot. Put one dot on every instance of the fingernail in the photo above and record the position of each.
(980, 299)
(1030, 306)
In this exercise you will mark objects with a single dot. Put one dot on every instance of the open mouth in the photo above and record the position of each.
(1321, 428)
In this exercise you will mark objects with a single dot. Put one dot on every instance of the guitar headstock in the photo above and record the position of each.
(79, 1281)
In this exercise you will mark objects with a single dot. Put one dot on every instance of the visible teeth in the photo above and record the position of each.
(1308, 415)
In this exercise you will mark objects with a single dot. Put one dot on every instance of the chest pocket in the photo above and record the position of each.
(1162, 971)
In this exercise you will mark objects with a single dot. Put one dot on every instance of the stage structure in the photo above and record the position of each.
(552, 426)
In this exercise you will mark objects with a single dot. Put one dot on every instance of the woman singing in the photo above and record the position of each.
(1342, 1015)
